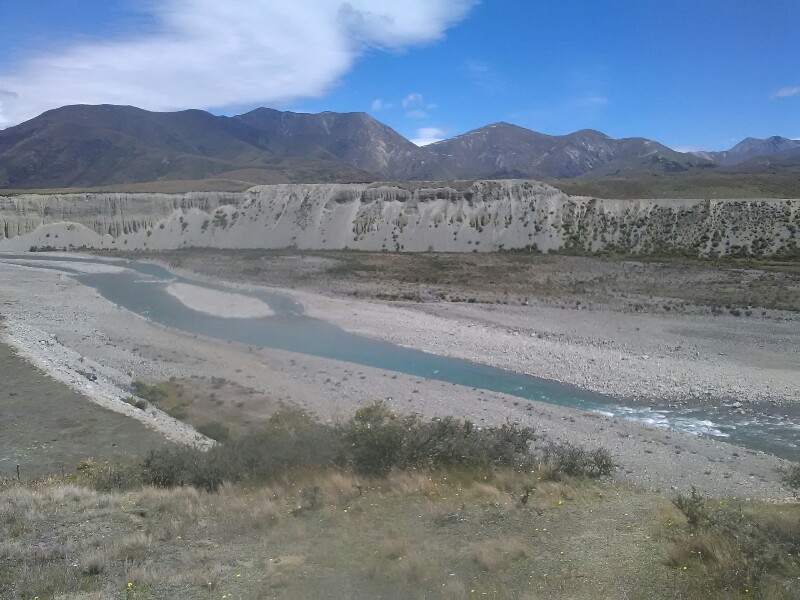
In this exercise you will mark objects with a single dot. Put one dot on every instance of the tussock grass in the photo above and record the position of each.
(421, 533)
(497, 554)
(94, 563)
(737, 548)
(454, 590)
(412, 568)
(314, 522)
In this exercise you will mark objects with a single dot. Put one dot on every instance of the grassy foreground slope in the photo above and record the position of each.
(378, 523)
(46, 427)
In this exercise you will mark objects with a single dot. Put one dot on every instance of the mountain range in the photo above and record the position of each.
(90, 146)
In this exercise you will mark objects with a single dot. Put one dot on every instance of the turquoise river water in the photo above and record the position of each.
(142, 289)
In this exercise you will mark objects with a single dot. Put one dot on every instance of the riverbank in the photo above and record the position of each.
(719, 337)
(126, 347)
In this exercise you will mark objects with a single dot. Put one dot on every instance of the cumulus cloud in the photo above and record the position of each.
(428, 135)
(415, 105)
(413, 99)
(787, 91)
(211, 54)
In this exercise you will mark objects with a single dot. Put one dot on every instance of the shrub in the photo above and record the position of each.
(791, 477)
(573, 460)
(110, 477)
(289, 440)
(449, 442)
(374, 439)
(378, 440)
(137, 402)
(693, 507)
(215, 430)
(153, 393)
(373, 442)
(173, 467)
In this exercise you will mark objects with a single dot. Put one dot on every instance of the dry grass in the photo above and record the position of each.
(454, 590)
(133, 547)
(497, 554)
(395, 547)
(410, 483)
(408, 535)
(94, 563)
(412, 568)
(339, 489)
(703, 547)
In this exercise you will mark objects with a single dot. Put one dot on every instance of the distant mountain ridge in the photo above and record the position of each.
(90, 146)
(503, 150)
(750, 148)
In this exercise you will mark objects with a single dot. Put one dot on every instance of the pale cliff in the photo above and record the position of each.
(458, 217)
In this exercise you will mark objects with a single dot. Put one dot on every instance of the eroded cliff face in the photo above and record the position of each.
(114, 214)
(458, 217)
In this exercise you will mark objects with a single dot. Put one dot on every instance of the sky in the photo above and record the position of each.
(692, 74)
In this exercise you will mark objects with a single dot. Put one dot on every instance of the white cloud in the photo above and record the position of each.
(416, 106)
(211, 54)
(377, 105)
(428, 135)
(413, 99)
(589, 100)
(787, 91)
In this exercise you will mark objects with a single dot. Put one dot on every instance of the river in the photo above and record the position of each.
(141, 288)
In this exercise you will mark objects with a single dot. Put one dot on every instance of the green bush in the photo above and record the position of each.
(106, 477)
(693, 507)
(373, 442)
(573, 460)
(181, 466)
(378, 440)
(215, 430)
(374, 439)
(153, 393)
(137, 402)
(288, 441)
(791, 477)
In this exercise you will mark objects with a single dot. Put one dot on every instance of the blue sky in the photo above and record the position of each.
(691, 74)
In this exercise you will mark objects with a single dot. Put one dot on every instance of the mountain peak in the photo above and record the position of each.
(86, 145)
